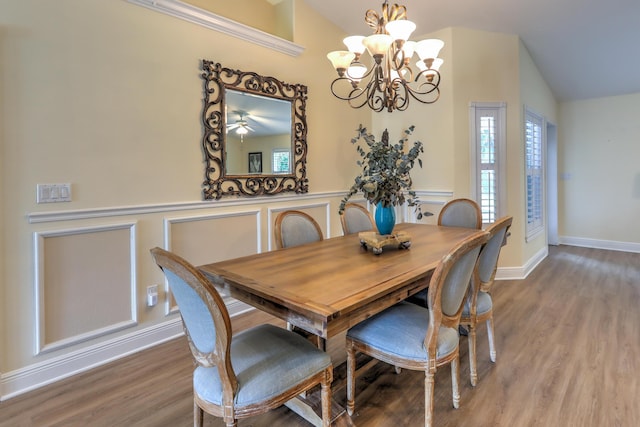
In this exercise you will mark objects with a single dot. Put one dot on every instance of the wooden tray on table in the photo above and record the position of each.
(375, 241)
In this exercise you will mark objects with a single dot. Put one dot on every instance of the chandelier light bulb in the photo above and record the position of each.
(354, 44)
(395, 75)
(341, 59)
(355, 72)
(437, 62)
(408, 48)
(400, 29)
(378, 44)
(429, 48)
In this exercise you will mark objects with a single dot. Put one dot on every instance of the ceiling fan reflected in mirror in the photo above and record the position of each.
(240, 126)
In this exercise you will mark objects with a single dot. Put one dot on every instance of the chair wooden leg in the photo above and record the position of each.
(428, 398)
(455, 386)
(326, 399)
(198, 415)
(351, 378)
(473, 369)
(492, 344)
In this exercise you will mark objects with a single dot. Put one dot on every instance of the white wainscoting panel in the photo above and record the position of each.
(202, 239)
(85, 283)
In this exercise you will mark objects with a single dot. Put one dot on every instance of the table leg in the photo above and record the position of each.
(309, 408)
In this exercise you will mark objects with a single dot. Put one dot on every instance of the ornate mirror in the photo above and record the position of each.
(255, 134)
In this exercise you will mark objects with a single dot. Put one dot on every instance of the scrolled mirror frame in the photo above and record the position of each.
(217, 183)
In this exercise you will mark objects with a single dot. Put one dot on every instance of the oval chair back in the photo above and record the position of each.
(294, 228)
(356, 218)
(461, 213)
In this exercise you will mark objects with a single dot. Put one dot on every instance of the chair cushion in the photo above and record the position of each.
(484, 305)
(267, 360)
(400, 331)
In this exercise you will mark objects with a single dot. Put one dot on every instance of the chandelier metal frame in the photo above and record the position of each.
(390, 82)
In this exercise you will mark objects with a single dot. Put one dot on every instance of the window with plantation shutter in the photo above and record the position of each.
(534, 165)
(280, 160)
(488, 158)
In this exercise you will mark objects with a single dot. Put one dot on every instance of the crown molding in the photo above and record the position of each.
(224, 25)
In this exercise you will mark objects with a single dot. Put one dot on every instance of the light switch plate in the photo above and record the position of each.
(53, 193)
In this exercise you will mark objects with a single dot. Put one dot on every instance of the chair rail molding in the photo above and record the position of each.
(106, 212)
(224, 25)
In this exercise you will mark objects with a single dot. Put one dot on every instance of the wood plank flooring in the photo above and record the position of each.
(568, 355)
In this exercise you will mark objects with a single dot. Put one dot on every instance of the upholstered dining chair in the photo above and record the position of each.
(479, 305)
(293, 228)
(413, 337)
(455, 213)
(460, 213)
(356, 218)
(246, 374)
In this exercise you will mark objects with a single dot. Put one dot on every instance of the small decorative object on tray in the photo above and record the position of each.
(376, 242)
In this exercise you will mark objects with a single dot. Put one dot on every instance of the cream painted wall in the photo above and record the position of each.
(108, 96)
(433, 127)
(536, 95)
(486, 70)
(263, 14)
(598, 162)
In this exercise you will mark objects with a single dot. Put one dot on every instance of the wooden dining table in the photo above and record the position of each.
(326, 287)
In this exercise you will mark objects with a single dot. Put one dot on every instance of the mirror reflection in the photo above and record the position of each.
(258, 134)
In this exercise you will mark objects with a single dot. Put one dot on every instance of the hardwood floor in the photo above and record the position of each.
(568, 355)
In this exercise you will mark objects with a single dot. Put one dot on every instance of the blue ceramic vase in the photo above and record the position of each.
(385, 217)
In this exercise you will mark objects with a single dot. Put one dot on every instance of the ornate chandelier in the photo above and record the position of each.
(390, 81)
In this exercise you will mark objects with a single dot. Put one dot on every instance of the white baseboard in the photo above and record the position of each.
(600, 244)
(519, 273)
(31, 377)
(39, 374)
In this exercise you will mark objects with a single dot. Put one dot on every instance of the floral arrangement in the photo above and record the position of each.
(385, 170)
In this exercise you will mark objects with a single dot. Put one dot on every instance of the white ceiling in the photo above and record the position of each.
(264, 115)
(583, 48)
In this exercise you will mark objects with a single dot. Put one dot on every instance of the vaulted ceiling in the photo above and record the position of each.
(583, 48)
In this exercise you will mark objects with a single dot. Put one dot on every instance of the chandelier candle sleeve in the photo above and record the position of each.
(389, 82)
